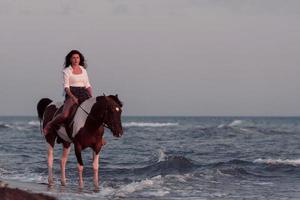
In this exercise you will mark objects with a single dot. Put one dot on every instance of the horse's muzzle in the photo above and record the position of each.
(118, 132)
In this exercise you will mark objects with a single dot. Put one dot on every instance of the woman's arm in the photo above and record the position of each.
(66, 77)
(87, 83)
(89, 89)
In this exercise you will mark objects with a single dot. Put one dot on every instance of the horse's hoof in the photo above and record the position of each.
(96, 188)
(50, 182)
(63, 182)
(80, 185)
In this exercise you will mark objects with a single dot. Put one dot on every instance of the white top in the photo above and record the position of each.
(75, 80)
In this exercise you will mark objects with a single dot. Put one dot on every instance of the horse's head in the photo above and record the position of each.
(112, 113)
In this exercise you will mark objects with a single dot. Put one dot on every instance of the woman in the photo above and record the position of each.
(76, 85)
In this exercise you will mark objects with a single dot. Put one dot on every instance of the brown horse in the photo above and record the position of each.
(84, 129)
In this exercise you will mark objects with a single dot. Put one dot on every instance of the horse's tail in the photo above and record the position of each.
(41, 106)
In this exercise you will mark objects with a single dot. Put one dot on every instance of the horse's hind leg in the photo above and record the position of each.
(50, 165)
(64, 159)
(96, 170)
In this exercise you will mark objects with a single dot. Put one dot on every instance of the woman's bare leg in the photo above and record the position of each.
(60, 118)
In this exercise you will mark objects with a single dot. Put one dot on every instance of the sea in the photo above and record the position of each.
(166, 158)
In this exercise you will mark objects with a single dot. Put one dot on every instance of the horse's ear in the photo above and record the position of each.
(104, 95)
(117, 100)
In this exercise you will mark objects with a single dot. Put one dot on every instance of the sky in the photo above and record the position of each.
(162, 57)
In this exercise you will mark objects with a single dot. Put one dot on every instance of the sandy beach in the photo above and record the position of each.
(11, 190)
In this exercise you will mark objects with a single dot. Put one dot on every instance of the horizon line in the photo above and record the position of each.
(178, 116)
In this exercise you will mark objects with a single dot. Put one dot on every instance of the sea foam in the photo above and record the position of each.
(295, 162)
(34, 123)
(153, 184)
(161, 155)
(148, 124)
(235, 123)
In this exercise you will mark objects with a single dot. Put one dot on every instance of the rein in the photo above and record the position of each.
(88, 114)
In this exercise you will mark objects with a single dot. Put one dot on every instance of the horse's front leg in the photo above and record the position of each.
(96, 170)
(79, 165)
(50, 165)
(64, 159)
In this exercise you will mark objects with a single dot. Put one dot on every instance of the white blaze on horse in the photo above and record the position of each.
(84, 129)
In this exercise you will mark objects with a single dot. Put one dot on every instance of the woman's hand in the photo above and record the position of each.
(75, 99)
(69, 93)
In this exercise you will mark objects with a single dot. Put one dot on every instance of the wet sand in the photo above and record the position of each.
(10, 191)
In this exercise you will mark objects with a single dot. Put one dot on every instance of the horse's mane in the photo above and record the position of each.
(115, 98)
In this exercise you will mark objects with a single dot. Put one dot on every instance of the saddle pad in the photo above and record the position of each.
(63, 134)
(81, 115)
(78, 120)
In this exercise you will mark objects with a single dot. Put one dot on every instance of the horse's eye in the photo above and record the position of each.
(117, 109)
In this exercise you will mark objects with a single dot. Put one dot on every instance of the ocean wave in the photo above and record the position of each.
(34, 123)
(276, 131)
(27, 176)
(295, 162)
(232, 162)
(170, 165)
(3, 171)
(4, 126)
(221, 126)
(149, 186)
(161, 155)
(235, 171)
(153, 183)
(20, 126)
(236, 123)
(148, 124)
(236, 168)
(159, 164)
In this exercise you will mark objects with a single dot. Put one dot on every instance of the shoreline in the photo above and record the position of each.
(14, 190)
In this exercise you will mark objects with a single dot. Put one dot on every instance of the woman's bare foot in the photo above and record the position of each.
(46, 129)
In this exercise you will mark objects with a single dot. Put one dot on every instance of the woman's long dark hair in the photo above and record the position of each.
(69, 56)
